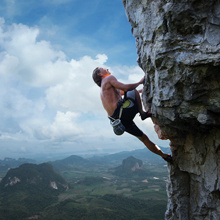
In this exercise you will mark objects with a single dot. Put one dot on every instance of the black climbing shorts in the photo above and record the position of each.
(130, 109)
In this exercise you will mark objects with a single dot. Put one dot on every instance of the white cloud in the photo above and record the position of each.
(63, 127)
(46, 97)
(131, 73)
(78, 92)
(64, 89)
(34, 62)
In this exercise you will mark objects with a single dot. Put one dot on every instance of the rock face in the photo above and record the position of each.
(178, 46)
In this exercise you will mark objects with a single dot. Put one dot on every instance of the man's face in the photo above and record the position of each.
(104, 72)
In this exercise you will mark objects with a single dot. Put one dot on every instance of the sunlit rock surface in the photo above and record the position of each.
(178, 46)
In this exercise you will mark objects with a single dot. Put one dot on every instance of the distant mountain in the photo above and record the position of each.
(28, 175)
(70, 163)
(8, 163)
(73, 160)
(131, 164)
(130, 167)
(143, 154)
(12, 163)
(78, 162)
(29, 187)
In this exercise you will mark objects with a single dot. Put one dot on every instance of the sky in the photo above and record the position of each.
(49, 103)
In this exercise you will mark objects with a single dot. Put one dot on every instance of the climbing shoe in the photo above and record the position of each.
(145, 115)
(169, 159)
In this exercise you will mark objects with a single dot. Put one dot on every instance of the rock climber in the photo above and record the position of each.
(111, 96)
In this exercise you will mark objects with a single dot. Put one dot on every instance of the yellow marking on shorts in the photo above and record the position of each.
(126, 104)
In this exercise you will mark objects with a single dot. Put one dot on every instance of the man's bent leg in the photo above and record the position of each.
(151, 146)
(143, 114)
(138, 101)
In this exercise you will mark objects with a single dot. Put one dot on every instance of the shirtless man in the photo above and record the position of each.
(111, 91)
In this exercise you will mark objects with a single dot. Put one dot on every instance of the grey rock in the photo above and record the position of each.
(178, 46)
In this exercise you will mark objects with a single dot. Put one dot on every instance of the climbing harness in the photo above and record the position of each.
(117, 125)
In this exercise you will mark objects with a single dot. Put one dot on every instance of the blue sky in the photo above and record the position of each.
(48, 101)
(78, 27)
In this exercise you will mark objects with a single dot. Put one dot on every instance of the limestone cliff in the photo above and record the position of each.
(178, 46)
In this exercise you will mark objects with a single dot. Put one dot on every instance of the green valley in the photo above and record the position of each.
(86, 189)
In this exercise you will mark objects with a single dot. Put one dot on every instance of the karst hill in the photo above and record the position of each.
(178, 46)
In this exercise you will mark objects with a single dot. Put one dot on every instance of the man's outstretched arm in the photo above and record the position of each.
(124, 87)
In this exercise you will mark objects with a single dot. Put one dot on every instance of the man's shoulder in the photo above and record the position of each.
(108, 79)
(107, 82)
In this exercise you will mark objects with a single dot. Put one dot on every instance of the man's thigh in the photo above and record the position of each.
(133, 129)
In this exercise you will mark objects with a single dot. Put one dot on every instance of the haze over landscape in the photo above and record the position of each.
(49, 103)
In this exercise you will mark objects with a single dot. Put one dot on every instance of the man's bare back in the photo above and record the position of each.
(109, 95)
